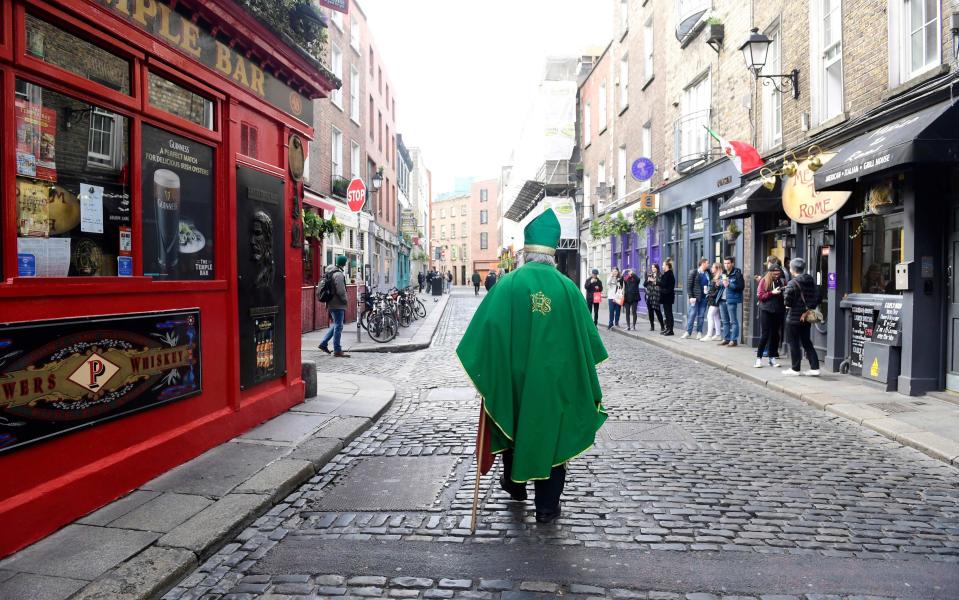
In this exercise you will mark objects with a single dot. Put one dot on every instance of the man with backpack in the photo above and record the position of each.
(332, 291)
(490, 280)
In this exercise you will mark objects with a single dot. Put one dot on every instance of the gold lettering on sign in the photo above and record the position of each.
(165, 21)
(191, 38)
(143, 9)
(223, 62)
(256, 80)
(239, 74)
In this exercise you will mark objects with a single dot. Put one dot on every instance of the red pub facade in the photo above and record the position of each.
(150, 242)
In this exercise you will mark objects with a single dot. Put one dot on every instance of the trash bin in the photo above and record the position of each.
(437, 284)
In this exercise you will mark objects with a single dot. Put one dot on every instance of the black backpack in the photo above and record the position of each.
(327, 288)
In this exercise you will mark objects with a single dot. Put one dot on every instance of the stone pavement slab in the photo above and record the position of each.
(118, 508)
(278, 479)
(288, 428)
(162, 513)
(79, 552)
(146, 575)
(27, 586)
(218, 470)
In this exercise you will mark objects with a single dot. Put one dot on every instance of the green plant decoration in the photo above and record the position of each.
(286, 17)
(732, 231)
(643, 219)
(340, 185)
(620, 225)
(315, 226)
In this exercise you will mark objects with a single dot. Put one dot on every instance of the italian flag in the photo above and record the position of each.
(745, 157)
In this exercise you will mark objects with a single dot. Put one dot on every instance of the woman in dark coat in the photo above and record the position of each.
(652, 296)
(630, 297)
(772, 311)
(667, 294)
(593, 286)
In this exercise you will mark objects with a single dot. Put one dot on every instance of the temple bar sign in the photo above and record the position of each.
(183, 34)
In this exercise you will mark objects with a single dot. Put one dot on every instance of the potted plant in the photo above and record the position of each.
(340, 186)
(732, 232)
(619, 225)
(715, 33)
(643, 219)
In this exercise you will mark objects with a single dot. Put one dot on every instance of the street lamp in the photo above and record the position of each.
(755, 49)
(378, 180)
(578, 196)
(955, 34)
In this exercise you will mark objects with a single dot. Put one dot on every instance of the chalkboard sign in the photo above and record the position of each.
(863, 321)
(888, 328)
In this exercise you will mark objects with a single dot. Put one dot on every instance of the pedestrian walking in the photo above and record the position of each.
(697, 285)
(537, 416)
(490, 280)
(801, 299)
(652, 297)
(476, 279)
(731, 297)
(630, 297)
(419, 280)
(449, 281)
(594, 294)
(614, 295)
(714, 325)
(667, 294)
(335, 282)
(772, 311)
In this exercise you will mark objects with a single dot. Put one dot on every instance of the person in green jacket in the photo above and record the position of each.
(531, 350)
(476, 282)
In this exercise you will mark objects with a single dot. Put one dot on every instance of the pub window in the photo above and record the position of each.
(877, 248)
(62, 49)
(177, 206)
(180, 102)
(73, 217)
(248, 140)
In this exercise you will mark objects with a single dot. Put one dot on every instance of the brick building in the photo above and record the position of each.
(450, 224)
(484, 223)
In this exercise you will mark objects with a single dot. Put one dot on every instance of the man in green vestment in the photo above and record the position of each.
(531, 350)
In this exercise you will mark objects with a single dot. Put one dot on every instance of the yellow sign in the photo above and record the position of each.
(874, 369)
(801, 201)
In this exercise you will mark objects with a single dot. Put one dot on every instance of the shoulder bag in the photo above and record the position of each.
(810, 315)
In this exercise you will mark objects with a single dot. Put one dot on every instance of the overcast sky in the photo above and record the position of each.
(465, 71)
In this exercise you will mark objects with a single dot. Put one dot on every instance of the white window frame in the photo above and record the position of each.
(587, 125)
(336, 17)
(901, 30)
(624, 82)
(484, 240)
(696, 98)
(111, 158)
(623, 170)
(648, 49)
(623, 17)
(336, 152)
(356, 163)
(354, 33)
(587, 192)
(484, 217)
(772, 100)
(354, 94)
(646, 149)
(603, 106)
(821, 64)
(601, 180)
(336, 67)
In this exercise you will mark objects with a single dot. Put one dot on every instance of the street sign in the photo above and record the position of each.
(356, 195)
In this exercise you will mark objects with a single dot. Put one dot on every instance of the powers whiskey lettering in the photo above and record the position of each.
(183, 34)
(56, 376)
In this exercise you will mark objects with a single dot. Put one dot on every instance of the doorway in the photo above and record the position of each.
(817, 265)
(952, 306)
(462, 274)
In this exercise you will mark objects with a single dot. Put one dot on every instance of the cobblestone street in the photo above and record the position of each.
(701, 485)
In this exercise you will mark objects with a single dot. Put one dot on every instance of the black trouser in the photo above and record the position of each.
(769, 325)
(655, 310)
(593, 306)
(668, 310)
(799, 333)
(548, 491)
(630, 308)
(476, 289)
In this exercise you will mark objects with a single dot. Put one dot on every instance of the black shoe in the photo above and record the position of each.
(548, 517)
(608, 327)
(652, 328)
(324, 349)
(518, 495)
(670, 332)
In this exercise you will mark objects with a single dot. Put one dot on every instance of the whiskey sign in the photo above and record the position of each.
(179, 31)
(57, 376)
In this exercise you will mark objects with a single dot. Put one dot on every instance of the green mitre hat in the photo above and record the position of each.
(542, 234)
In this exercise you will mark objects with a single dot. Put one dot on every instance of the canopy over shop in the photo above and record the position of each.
(151, 203)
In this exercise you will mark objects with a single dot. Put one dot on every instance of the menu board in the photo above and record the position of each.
(177, 206)
(888, 329)
(863, 322)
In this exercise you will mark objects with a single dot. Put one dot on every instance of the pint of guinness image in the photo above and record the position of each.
(166, 188)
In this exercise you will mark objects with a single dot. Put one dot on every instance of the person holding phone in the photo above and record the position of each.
(667, 294)
(652, 297)
(594, 294)
(772, 311)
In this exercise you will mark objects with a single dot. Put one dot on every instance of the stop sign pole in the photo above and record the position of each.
(356, 195)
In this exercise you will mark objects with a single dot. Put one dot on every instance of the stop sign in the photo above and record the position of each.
(356, 195)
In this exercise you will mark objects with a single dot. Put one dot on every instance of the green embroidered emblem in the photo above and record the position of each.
(541, 303)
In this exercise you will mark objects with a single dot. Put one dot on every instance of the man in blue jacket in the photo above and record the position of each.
(732, 296)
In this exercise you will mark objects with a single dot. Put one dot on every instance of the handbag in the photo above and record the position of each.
(810, 315)
(597, 297)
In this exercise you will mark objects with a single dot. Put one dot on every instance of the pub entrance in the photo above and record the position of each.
(952, 307)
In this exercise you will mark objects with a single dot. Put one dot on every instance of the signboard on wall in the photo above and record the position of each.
(61, 375)
(342, 6)
(565, 210)
(183, 34)
(803, 203)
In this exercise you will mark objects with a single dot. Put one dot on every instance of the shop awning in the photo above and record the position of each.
(930, 135)
(315, 201)
(750, 199)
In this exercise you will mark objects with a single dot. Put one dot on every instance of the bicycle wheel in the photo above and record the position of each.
(420, 308)
(380, 328)
(404, 315)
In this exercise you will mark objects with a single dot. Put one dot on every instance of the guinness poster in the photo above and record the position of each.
(177, 192)
(61, 375)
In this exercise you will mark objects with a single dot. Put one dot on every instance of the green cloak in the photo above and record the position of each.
(531, 350)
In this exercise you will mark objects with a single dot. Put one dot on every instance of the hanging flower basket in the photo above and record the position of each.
(732, 233)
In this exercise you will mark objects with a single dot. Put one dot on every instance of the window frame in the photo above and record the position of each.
(587, 125)
(356, 171)
(624, 82)
(649, 50)
(355, 113)
(336, 67)
(603, 107)
(355, 42)
(336, 168)
(772, 99)
(821, 65)
(900, 48)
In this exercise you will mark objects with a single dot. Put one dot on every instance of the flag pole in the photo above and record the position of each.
(479, 465)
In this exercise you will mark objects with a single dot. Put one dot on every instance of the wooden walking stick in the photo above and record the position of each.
(480, 438)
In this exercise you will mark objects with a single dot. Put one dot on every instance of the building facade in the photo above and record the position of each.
(484, 225)
(420, 198)
(450, 224)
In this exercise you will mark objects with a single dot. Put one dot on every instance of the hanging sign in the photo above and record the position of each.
(342, 6)
(643, 169)
(803, 203)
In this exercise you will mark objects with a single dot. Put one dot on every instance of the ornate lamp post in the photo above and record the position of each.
(755, 50)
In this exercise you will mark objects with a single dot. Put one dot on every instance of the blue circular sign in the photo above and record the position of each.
(643, 169)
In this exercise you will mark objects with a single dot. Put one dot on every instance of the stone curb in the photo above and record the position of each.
(928, 443)
(420, 341)
(160, 566)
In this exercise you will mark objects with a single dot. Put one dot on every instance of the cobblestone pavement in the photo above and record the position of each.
(694, 465)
